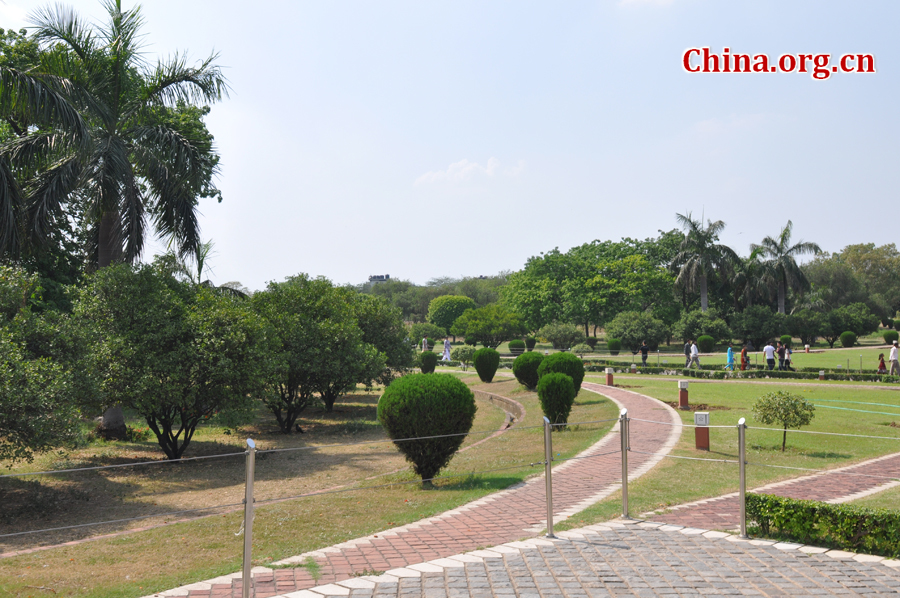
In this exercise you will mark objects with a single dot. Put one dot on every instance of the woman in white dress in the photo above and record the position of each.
(446, 356)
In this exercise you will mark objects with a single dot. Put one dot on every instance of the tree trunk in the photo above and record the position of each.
(704, 299)
(781, 295)
(784, 440)
(112, 424)
(109, 247)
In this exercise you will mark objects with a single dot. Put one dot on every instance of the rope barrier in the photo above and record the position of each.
(586, 457)
(167, 461)
(826, 433)
(599, 421)
(685, 458)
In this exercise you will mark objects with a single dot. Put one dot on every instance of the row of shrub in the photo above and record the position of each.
(847, 527)
(720, 374)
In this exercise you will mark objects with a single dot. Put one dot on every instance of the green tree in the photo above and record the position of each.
(833, 284)
(694, 324)
(124, 140)
(785, 409)
(805, 324)
(561, 336)
(175, 354)
(856, 318)
(785, 271)
(758, 324)
(700, 256)
(443, 310)
(632, 328)
(489, 325)
(752, 280)
(382, 327)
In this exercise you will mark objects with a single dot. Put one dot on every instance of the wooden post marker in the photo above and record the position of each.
(609, 376)
(821, 374)
(683, 394)
(701, 432)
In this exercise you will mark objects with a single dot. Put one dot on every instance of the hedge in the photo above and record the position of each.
(720, 374)
(846, 527)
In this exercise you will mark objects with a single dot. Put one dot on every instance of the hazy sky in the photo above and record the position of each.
(425, 139)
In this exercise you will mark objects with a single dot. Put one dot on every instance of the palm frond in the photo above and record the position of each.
(133, 219)
(173, 82)
(40, 98)
(59, 23)
(51, 188)
(11, 209)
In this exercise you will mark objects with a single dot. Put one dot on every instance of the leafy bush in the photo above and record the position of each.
(694, 324)
(563, 363)
(443, 310)
(632, 328)
(133, 434)
(427, 361)
(706, 343)
(464, 355)
(890, 336)
(806, 325)
(530, 342)
(889, 323)
(422, 405)
(592, 342)
(489, 325)
(486, 361)
(516, 346)
(525, 369)
(757, 324)
(848, 339)
(786, 340)
(556, 392)
(562, 336)
(614, 345)
(419, 331)
(856, 317)
(471, 341)
(581, 348)
(846, 527)
(783, 408)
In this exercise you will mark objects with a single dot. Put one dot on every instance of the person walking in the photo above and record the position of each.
(745, 358)
(687, 354)
(695, 355)
(644, 349)
(424, 343)
(788, 359)
(769, 350)
(729, 358)
(446, 356)
(895, 365)
(882, 369)
(781, 352)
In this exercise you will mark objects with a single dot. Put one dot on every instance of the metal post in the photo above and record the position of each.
(548, 479)
(742, 456)
(623, 437)
(657, 358)
(246, 581)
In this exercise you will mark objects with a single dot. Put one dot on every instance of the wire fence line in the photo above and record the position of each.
(118, 465)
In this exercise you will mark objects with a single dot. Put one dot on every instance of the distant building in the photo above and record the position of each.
(379, 278)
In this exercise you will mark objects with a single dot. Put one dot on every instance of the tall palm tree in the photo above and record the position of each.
(699, 255)
(752, 279)
(119, 138)
(786, 272)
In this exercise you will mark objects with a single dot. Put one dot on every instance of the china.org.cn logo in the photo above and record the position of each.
(701, 60)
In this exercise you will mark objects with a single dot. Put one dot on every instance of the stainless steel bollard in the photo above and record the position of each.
(623, 437)
(548, 479)
(742, 456)
(246, 580)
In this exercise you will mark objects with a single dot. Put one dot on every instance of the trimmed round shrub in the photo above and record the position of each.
(471, 341)
(525, 369)
(486, 362)
(563, 363)
(786, 340)
(614, 345)
(556, 392)
(848, 339)
(889, 322)
(427, 361)
(706, 343)
(516, 346)
(422, 405)
(890, 336)
(530, 342)
(581, 349)
(592, 341)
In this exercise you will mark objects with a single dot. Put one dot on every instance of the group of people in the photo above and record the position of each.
(692, 356)
(895, 364)
(446, 355)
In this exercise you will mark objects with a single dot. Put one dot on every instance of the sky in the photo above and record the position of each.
(460, 138)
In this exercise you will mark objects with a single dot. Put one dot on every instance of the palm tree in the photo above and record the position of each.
(752, 279)
(111, 136)
(785, 270)
(700, 256)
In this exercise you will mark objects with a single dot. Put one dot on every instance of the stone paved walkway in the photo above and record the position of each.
(505, 516)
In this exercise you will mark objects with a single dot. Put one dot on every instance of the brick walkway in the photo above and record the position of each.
(502, 517)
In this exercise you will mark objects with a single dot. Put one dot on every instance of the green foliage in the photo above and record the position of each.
(530, 342)
(757, 324)
(706, 344)
(525, 369)
(489, 325)
(424, 329)
(562, 336)
(845, 527)
(422, 405)
(890, 336)
(786, 340)
(614, 345)
(443, 310)
(464, 355)
(785, 409)
(556, 392)
(592, 342)
(174, 353)
(516, 346)
(632, 328)
(486, 362)
(701, 256)
(856, 317)
(848, 339)
(427, 361)
(694, 324)
(382, 327)
(414, 300)
(317, 344)
(471, 341)
(563, 363)
(581, 348)
(806, 325)
(888, 322)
